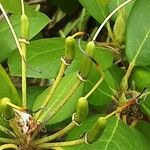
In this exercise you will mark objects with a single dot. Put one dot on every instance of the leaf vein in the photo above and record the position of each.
(114, 130)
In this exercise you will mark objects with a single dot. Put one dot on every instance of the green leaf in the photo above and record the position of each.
(43, 58)
(95, 9)
(14, 6)
(102, 95)
(37, 22)
(32, 93)
(116, 136)
(143, 127)
(115, 3)
(7, 88)
(145, 105)
(63, 88)
(141, 77)
(138, 33)
(117, 73)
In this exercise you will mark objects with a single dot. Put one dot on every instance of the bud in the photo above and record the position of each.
(119, 27)
(81, 110)
(69, 49)
(97, 130)
(24, 26)
(87, 62)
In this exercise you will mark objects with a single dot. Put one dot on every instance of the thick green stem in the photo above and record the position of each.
(44, 120)
(8, 146)
(6, 140)
(51, 91)
(55, 135)
(23, 44)
(61, 144)
(24, 74)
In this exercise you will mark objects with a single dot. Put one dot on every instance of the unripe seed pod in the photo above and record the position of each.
(81, 110)
(69, 49)
(5, 109)
(97, 130)
(119, 27)
(24, 26)
(87, 61)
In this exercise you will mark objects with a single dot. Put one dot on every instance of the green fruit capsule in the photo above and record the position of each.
(81, 110)
(119, 27)
(69, 49)
(24, 26)
(97, 130)
(5, 109)
(87, 61)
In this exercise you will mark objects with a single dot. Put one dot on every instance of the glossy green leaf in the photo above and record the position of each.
(95, 9)
(37, 22)
(141, 77)
(116, 136)
(32, 93)
(63, 88)
(43, 58)
(7, 88)
(138, 33)
(117, 73)
(102, 95)
(143, 127)
(14, 6)
(145, 105)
